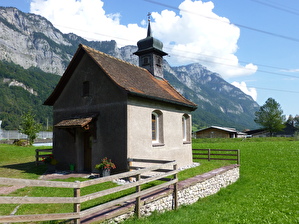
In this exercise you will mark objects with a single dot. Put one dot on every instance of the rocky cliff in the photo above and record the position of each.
(31, 40)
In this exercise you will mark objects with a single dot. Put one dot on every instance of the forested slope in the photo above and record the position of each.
(22, 90)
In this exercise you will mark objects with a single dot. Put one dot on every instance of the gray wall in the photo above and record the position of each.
(108, 102)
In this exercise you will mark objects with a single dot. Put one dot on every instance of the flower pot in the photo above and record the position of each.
(72, 167)
(104, 172)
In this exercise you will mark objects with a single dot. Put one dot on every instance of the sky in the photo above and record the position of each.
(252, 44)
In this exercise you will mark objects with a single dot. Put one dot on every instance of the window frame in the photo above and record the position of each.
(158, 138)
(85, 89)
(186, 129)
(145, 60)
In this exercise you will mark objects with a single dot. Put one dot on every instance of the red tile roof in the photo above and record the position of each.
(135, 80)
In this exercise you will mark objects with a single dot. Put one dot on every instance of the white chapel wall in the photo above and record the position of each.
(140, 136)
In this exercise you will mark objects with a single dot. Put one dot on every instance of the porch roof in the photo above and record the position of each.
(74, 123)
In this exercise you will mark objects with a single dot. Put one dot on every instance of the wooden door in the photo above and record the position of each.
(87, 151)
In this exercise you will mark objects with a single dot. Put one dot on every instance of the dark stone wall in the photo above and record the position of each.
(107, 103)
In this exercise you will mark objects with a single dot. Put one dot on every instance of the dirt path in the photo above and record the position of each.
(8, 189)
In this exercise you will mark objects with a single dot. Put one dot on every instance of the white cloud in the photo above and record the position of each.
(249, 91)
(201, 36)
(87, 19)
(196, 34)
(295, 70)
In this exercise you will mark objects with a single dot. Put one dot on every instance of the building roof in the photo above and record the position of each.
(226, 129)
(231, 130)
(134, 80)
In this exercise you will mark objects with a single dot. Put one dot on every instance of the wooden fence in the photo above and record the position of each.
(40, 153)
(165, 169)
(217, 154)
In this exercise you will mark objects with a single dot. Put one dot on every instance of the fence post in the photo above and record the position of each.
(77, 206)
(137, 206)
(175, 189)
(36, 157)
(130, 163)
(209, 154)
(238, 154)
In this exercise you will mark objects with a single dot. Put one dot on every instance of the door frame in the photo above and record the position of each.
(87, 151)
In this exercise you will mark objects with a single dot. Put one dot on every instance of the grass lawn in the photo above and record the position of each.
(267, 191)
(19, 162)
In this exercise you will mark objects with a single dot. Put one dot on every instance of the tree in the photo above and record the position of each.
(270, 116)
(30, 127)
(294, 121)
(290, 120)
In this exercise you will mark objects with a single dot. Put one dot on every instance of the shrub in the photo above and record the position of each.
(21, 142)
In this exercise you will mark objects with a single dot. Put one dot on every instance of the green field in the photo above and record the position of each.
(267, 191)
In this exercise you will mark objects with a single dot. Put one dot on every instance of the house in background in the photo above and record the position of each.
(0, 130)
(219, 132)
(262, 132)
(288, 131)
(106, 107)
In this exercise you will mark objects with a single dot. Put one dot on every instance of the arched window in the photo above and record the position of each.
(157, 127)
(186, 128)
(145, 60)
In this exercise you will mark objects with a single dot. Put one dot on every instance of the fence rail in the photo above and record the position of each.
(40, 154)
(77, 199)
(221, 154)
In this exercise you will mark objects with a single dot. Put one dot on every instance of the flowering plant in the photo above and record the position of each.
(105, 164)
(49, 160)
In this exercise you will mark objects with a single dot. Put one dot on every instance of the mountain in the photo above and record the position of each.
(218, 100)
(32, 46)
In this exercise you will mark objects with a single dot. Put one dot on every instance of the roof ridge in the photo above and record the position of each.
(108, 55)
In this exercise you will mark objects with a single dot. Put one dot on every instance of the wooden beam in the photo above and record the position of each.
(38, 183)
(42, 217)
(38, 200)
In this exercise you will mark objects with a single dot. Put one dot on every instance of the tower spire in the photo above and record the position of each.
(150, 52)
(149, 30)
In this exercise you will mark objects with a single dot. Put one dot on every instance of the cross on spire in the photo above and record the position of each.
(149, 16)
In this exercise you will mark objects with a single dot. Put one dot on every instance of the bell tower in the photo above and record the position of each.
(150, 53)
